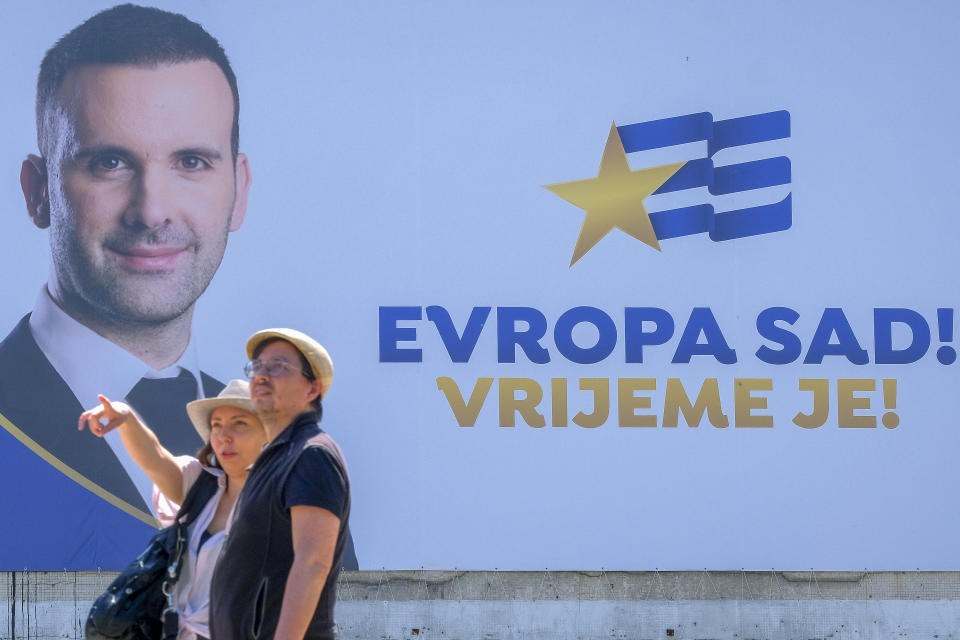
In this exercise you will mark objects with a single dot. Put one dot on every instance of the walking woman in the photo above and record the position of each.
(234, 437)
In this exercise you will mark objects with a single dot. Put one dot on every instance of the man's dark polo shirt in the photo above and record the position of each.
(301, 466)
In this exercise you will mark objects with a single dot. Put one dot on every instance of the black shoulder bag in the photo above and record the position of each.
(138, 604)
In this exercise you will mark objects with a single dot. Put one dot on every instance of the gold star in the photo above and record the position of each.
(615, 197)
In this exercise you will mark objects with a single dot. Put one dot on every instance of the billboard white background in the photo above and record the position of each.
(398, 153)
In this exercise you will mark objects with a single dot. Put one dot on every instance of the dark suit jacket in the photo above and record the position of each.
(39, 414)
(70, 504)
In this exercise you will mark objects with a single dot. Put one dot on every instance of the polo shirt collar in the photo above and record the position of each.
(304, 419)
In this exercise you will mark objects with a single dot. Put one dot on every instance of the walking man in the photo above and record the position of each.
(277, 574)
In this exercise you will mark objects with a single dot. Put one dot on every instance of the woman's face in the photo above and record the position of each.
(236, 437)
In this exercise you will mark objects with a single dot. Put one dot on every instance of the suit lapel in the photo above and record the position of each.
(36, 400)
(211, 386)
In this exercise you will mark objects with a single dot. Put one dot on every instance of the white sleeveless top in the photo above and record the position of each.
(191, 594)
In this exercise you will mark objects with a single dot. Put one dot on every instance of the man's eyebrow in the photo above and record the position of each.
(210, 153)
(100, 149)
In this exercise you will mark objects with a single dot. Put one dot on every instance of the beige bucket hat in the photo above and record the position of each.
(235, 394)
(312, 350)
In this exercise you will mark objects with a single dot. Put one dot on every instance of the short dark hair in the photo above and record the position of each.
(305, 368)
(130, 34)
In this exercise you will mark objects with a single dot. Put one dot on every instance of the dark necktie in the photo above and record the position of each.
(162, 403)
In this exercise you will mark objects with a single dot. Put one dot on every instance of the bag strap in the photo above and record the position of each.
(197, 497)
(199, 494)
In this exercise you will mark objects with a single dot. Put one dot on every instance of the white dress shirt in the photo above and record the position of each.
(90, 365)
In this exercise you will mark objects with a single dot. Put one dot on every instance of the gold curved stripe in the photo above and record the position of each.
(78, 477)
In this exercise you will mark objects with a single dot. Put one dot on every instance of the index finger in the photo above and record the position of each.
(87, 416)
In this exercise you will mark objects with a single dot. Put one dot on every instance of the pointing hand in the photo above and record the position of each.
(105, 418)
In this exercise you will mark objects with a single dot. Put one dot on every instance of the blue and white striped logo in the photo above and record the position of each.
(720, 180)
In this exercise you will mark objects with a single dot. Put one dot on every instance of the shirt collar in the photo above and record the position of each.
(304, 419)
(76, 351)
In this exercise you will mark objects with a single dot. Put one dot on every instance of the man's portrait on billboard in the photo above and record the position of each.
(138, 182)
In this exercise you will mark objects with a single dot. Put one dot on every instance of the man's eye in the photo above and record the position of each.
(107, 163)
(193, 163)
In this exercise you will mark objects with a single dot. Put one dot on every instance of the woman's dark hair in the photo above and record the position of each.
(205, 456)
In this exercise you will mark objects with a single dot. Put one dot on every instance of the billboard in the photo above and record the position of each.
(632, 286)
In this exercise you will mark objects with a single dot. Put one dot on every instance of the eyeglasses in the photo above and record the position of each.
(274, 368)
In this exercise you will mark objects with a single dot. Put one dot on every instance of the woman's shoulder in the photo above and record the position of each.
(165, 508)
(190, 468)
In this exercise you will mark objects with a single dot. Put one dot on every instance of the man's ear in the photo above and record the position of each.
(316, 390)
(242, 181)
(33, 181)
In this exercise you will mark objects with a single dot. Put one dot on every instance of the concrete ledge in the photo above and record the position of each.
(560, 585)
(648, 620)
(648, 585)
(586, 605)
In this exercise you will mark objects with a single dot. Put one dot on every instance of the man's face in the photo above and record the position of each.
(287, 393)
(142, 188)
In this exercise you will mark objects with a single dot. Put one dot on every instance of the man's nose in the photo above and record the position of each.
(153, 203)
